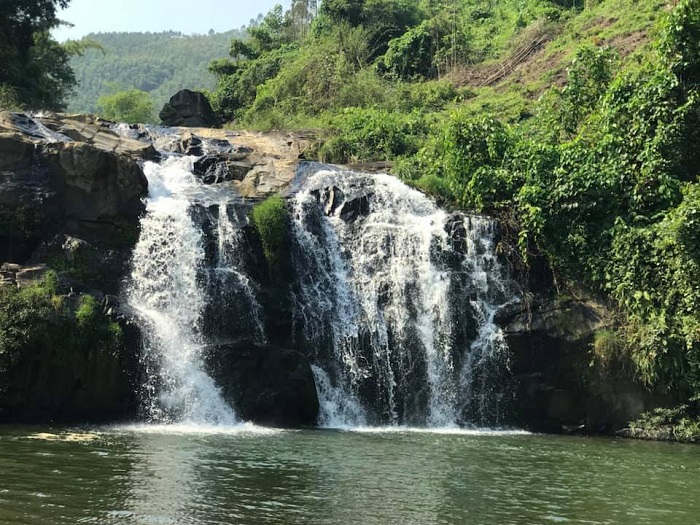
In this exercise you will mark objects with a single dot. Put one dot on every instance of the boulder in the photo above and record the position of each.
(211, 169)
(266, 384)
(349, 207)
(189, 109)
(96, 184)
(51, 183)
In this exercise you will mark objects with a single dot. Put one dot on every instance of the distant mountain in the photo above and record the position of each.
(159, 63)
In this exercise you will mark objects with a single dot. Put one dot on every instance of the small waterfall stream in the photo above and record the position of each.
(392, 299)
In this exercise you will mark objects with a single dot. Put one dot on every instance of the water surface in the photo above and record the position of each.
(160, 475)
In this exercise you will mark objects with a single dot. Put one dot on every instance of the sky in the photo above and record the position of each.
(186, 16)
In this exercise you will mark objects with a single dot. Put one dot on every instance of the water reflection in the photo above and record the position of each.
(150, 476)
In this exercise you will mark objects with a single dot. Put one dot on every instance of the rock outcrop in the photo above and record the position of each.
(257, 165)
(71, 194)
(189, 109)
(51, 183)
(267, 384)
(558, 386)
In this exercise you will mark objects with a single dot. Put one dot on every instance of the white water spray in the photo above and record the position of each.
(375, 288)
(165, 292)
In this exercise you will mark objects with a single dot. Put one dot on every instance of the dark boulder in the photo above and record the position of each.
(349, 207)
(212, 169)
(189, 109)
(267, 385)
(48, 186)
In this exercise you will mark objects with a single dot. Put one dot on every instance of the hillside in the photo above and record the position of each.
(158, 63)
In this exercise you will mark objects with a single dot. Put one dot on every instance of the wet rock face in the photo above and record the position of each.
(266, 384)
(189, 109)
(557, 386)
(349, 207)
(213, 169)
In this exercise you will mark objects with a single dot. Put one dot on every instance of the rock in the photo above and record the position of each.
(267, 385)
(211, 169)
(189, 109)
(71, 383)
(555, 384)
(28, 275)
(50, 186)
(100, 134)
(97, 185)
(191, 144)
(350, 208)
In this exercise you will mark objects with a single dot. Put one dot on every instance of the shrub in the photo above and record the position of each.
(132, 106)
(373, 134)
(270, 221)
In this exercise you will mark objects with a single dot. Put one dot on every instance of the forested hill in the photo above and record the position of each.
(158, 63)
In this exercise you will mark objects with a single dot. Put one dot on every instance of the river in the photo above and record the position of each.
(247, 475)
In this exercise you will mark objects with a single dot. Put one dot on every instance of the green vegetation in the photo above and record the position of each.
(159, 64)
(35, 71)
(577, 121)
(270, 221)
(132, 106)
(39, 319)
(681, 422)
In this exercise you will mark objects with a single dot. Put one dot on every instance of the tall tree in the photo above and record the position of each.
(35, 67)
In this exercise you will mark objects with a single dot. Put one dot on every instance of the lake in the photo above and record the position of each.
(248, 475)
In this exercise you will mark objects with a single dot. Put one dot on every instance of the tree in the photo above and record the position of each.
(35, 67)
(132, 106)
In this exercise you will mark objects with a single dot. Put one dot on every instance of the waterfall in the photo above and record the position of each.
(398, 299)
(391, 298)
(166, 291)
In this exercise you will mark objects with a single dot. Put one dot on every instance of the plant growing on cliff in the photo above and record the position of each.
(36, 318)
(270, 220)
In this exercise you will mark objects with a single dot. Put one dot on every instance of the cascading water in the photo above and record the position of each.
(404, 296)
(166, 292)
(391, 298)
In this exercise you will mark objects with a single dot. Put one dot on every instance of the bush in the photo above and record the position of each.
(361, 135)
(270, 221)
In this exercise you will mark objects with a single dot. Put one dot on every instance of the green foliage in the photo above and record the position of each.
(474, 157)
(682, 421)
(238, 82)
(383, 20)
(8, 97)
(436, 187)
(35, 72)
(410, 56)
(588, 77)
(270, 220)
(365, 135)
(608, 348)
(37, 319)
(680, 42)
(132, 106)
(158, 63)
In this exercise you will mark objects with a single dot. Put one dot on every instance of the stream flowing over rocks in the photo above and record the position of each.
(382, 309)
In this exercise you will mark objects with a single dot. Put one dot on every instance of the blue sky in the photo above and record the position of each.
(94, 16)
